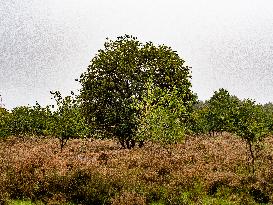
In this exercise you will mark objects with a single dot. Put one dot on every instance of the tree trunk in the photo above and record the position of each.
(63, 141)
(127, 143)
(252, 156)
(141, 143)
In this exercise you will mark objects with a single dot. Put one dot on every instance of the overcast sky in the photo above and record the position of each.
(46, 44)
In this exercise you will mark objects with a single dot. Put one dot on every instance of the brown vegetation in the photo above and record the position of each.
(100, 172)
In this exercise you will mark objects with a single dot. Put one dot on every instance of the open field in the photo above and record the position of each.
(203, 170)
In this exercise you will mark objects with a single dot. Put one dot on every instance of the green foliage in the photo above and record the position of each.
(250, 124)
(250, 121)
(4, 125)
(26, 120)
(217, 114)
(222, 107)
(268, 110)
(67, 121)
(163, 121)
(222, 110)
(20, 202)
(20, 121)
(199, 123)
(116, 79)
(40, 119)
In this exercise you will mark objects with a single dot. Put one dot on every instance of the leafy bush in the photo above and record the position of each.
(26, 120)
(268, 114)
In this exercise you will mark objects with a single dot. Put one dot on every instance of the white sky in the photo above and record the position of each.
(46, 44)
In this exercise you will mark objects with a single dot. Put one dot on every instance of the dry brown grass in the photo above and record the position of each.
(36, 169)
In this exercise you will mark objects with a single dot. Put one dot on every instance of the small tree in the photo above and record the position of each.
(215, 115)
(220, 115)
(250, 125)
(67, 121)
(40, 120)
(116, 79)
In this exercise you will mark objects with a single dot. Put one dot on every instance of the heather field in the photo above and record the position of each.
(202, 170)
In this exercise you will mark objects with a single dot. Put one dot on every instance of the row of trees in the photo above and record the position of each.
(157, 122)
(64, 121)
(227, 113)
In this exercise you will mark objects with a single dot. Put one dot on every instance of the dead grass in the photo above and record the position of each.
(36, 169)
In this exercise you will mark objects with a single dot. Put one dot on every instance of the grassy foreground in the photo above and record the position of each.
(203, 170)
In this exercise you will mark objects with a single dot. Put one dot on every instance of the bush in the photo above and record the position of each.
(26, 120)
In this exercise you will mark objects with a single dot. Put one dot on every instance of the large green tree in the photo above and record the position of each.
(117, 78)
